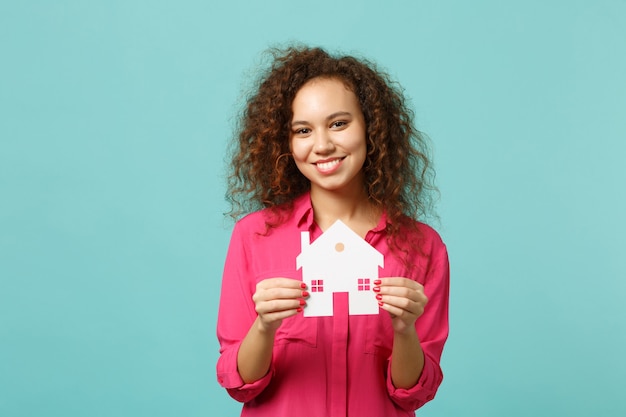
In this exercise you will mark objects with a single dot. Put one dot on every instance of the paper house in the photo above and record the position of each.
(339, 261)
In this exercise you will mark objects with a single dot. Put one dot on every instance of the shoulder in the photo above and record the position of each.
(265, 222)
(252, 223)
(274, 219)
(416, 233)
(429, 233)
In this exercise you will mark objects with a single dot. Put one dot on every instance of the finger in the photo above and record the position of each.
(415, 308)
(279, 294)
(397, 282)
(279, 315)
(280, 283)
(396, 311)
(409, 293)
(274, 306)
(279, 288)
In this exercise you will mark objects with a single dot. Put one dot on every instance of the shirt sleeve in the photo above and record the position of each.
(432, 330)
(236, 315)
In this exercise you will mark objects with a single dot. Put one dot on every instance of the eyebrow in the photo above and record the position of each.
(328, 118)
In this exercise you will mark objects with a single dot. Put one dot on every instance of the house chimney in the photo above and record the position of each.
(305, 240)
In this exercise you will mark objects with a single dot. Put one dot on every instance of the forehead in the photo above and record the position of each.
(324, 94)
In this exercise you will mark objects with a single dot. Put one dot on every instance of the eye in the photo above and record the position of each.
(338, 124)
(302, 131)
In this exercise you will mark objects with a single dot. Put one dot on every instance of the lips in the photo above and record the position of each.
(328, 165)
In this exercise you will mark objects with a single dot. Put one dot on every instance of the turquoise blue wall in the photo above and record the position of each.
(113, 121)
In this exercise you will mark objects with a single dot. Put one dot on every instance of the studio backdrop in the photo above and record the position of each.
(114, 123)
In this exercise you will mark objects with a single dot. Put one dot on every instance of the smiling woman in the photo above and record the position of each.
(325, 139)
(328, 138)
(397, 171)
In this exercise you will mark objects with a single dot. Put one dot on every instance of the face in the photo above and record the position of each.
(327, 138)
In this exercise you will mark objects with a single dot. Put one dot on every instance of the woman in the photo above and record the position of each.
(324, 139)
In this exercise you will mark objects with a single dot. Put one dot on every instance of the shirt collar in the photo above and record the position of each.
(382, 223)
(303, 211)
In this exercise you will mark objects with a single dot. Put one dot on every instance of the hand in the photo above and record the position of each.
(403, 298)
(276, 299)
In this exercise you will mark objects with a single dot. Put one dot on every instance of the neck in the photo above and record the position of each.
(353, 208)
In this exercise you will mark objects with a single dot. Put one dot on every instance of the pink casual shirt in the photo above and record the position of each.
(327, 366)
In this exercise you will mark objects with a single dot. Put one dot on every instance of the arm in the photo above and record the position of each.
(404, 299)
(236, 316)
(275, 299)
(407, 360)
(248, 317)
(431, 331)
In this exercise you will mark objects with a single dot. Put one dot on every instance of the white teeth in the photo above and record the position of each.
(324, 166)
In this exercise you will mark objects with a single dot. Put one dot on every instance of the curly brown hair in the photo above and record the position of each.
(398, 174)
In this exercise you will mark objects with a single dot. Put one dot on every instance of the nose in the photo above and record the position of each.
(323, 143)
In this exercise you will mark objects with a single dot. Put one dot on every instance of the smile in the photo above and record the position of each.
(328, 165)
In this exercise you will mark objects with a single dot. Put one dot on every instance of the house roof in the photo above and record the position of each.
(338, 243)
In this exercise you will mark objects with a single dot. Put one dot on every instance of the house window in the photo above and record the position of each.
(317, 285)
(364, 284)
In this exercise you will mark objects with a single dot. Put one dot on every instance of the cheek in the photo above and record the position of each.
(358, 146)
(298, 150)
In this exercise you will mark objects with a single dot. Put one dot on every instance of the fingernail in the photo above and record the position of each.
(299, 309)
(376, 289)
(377, 282)
(302, 302)
(303, 285)
(305, 293)
(380, 303)
(379, 297)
